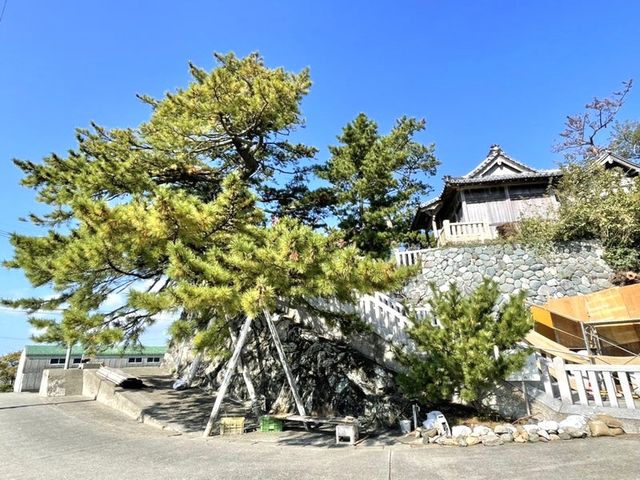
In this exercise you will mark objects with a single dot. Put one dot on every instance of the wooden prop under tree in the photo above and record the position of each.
(234, 363)
(251, 390)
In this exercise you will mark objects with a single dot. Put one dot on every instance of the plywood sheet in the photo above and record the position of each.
(606, 305)
(631, 297)
(572, 307)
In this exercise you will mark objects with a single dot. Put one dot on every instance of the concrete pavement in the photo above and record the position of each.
(60, 438)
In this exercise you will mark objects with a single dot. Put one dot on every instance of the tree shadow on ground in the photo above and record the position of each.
(188, 411)
(185, 411)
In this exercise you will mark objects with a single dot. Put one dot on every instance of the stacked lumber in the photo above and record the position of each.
(119, 378)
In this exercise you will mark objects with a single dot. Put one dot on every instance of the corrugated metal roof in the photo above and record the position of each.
(58, 351)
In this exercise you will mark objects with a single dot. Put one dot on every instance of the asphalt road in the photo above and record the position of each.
(76, 438)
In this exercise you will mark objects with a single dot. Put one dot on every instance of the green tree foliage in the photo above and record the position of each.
(376, 181)
(268, 268)
(457, 356)
(625, 140)
(8, 370)
(170, 215)
(595, 203)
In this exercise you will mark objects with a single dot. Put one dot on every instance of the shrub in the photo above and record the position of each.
(458, 356)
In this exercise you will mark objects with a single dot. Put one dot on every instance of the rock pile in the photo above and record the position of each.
(574, 426)
(333, 378)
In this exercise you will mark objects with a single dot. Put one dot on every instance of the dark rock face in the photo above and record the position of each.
(333, 378)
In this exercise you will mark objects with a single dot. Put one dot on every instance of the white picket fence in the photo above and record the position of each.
(387, 317)
(407, 258)
(615, 386)
(591, 385)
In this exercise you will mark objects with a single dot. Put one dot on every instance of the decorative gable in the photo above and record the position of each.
(498, 164)
(609, 160)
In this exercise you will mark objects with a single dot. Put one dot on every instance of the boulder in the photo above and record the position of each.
(521, 437)
(562, 435)
(481, 430)
(548, 426)
(534, 437)
(448, 442)
(599, 429)
(430, 433)
(506, 437)
(491, 440)
(543, 434)
(575, 432)
(472, 440)
(504, 428)
(553, 437)
(616, 431)
(460, 431)
(574, 421)
(531, 428)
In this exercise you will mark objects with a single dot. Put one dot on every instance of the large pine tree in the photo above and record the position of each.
(376, 182)
(171, 213)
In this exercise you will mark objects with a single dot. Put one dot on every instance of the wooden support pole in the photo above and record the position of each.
(587, 345)
(285, 364)
(251, 390)
(228, 375)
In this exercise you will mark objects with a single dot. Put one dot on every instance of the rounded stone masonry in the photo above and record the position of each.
(567, 269)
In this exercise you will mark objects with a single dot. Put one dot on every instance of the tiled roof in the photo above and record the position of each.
(494, 152)
(609, 157)
(58, 351)
(502, 178)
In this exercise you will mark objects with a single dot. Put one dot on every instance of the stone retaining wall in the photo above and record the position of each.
(570, 269)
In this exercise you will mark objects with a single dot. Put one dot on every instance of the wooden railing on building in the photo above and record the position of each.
(462, 232)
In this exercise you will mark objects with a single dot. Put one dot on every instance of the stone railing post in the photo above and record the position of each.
(486, 231)
(446, 232)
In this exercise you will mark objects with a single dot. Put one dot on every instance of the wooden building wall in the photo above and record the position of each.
(505, 204)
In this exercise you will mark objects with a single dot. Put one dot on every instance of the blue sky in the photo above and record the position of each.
(481, 72)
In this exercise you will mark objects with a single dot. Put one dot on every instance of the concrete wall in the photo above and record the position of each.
(60, 383)
(571, 269)
(108, 394)
(29, 375)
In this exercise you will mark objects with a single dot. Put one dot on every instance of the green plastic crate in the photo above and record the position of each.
(268, 424)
